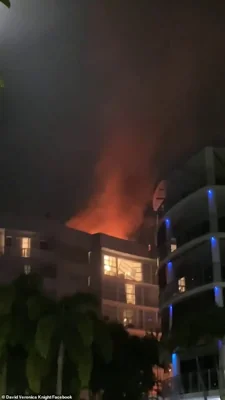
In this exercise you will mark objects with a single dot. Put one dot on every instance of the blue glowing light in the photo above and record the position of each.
(174, 364)
(169, 265)
(171, 311)
(217, 294)
(213, 241)
(220, 344)
(210, 193)
(174, 357)
(167, 222)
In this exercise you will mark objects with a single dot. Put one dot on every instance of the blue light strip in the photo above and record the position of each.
(213, 241)
(167, 223)
(174, 364)
(217, 294)
(169, 265)
(210, 194)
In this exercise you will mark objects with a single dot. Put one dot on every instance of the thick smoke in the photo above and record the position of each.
(157, 84)
(123, 187)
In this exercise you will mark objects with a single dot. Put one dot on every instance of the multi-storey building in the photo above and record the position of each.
(191, 247)
(129, 289)
(120, 272)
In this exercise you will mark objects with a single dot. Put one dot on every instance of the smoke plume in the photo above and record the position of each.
(156, 81)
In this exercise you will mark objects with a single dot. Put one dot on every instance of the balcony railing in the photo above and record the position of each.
(13, 251)
(194, 382)
(173, 289)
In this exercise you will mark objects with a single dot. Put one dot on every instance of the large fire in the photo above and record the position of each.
(122, 189)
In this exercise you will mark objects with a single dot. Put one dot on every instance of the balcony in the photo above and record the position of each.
(210, 381)
(143, 294)
(180, 286)
(26, 253)
(133, 318)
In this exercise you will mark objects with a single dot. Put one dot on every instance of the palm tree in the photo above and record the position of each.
(6, 3)
(130, 372)
(36, 332)
(17, 331)
(70, 329)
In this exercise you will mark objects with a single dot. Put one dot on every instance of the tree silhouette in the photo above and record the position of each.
(6, 3)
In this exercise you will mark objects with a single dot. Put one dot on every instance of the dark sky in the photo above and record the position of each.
(80, 72)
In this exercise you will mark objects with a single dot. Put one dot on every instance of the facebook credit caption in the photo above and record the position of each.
(35, 397)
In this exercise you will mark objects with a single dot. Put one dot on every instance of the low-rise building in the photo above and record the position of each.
(119, 272)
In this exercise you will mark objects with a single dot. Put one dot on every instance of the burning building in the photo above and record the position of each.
(120, 272)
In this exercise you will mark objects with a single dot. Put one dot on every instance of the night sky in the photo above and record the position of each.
(85, 78)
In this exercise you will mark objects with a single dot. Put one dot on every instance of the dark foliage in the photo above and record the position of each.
(6, 3)
(129, 374)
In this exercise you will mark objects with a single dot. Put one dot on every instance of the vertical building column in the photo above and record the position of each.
(168, 234)
(210, 166)
(175, 373)
(175, 364)
(221, 351)
(170, 317)
(212, 207)
(169, 273)
(216, 265)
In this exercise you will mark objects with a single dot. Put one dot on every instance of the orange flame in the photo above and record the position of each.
(122, 191)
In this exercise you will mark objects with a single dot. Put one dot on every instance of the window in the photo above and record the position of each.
(130, 269)
(27, 269)
(109, 265)
(130, 293)
(8, 241)
(181, 285)
(44, 245)
(25, 244)
(173, 247)
(128, 317)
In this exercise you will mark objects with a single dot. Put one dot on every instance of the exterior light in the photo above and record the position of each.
(167, 223)
(213, 241)
(169, 265)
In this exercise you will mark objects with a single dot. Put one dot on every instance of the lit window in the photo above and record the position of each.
(109, 265)
(181, 285)
(129, 269)
(173, 247)
(130, 293)
(25, 244)
(128, 317)
(27, 269)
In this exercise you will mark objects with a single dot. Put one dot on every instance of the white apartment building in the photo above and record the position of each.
(191, 249)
